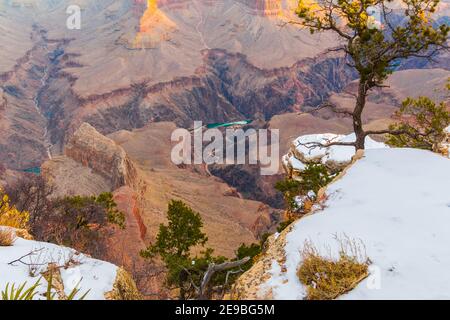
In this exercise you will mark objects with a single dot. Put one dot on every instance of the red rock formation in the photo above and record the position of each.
(263, 7)
(127, 201)
(124, 246)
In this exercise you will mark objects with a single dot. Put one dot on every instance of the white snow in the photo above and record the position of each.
(293, 162)
(397, 202)
(95, 275)
(338, 154)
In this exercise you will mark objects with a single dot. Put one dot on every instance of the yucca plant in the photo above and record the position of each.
(19, 293)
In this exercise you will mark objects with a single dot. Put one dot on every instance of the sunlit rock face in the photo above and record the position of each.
(154, 27)
(264, 7)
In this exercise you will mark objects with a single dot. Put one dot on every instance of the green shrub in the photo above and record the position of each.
(422, 123)
(312, 178)
(315, 177)
(284, 224)
(173, 244)
(253, 251)
(290, 188)
(113, 215)
(19, 293)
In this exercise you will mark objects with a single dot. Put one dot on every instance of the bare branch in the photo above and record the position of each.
(312, 145)
(333, 108)
(213, 268)
(395, 132)
(31, 253)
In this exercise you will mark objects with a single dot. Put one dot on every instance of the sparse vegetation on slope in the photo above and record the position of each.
(10, 216)
(7, 237)
(326, 278)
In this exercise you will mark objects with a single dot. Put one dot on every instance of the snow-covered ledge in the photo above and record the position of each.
(397, 202)
(304, 149)
(29, 260)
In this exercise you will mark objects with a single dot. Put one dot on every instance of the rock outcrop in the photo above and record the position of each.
(92, 149)
(263, 7)
(124, 287)
(308, 149)
(92, 164)
(249, 285)
(71, 177)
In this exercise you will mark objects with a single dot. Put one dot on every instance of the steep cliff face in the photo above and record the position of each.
(90, 148)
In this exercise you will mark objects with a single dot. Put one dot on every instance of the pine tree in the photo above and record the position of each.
(374, 50)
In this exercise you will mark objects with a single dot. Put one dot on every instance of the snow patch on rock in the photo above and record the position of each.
(305, 149)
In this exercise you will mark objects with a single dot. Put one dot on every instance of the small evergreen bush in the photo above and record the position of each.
(422, 123)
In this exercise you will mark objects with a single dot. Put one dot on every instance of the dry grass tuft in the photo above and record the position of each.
(7, 237)
(327, 278)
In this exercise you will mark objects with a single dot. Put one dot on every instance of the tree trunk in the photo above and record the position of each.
(357, 115)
